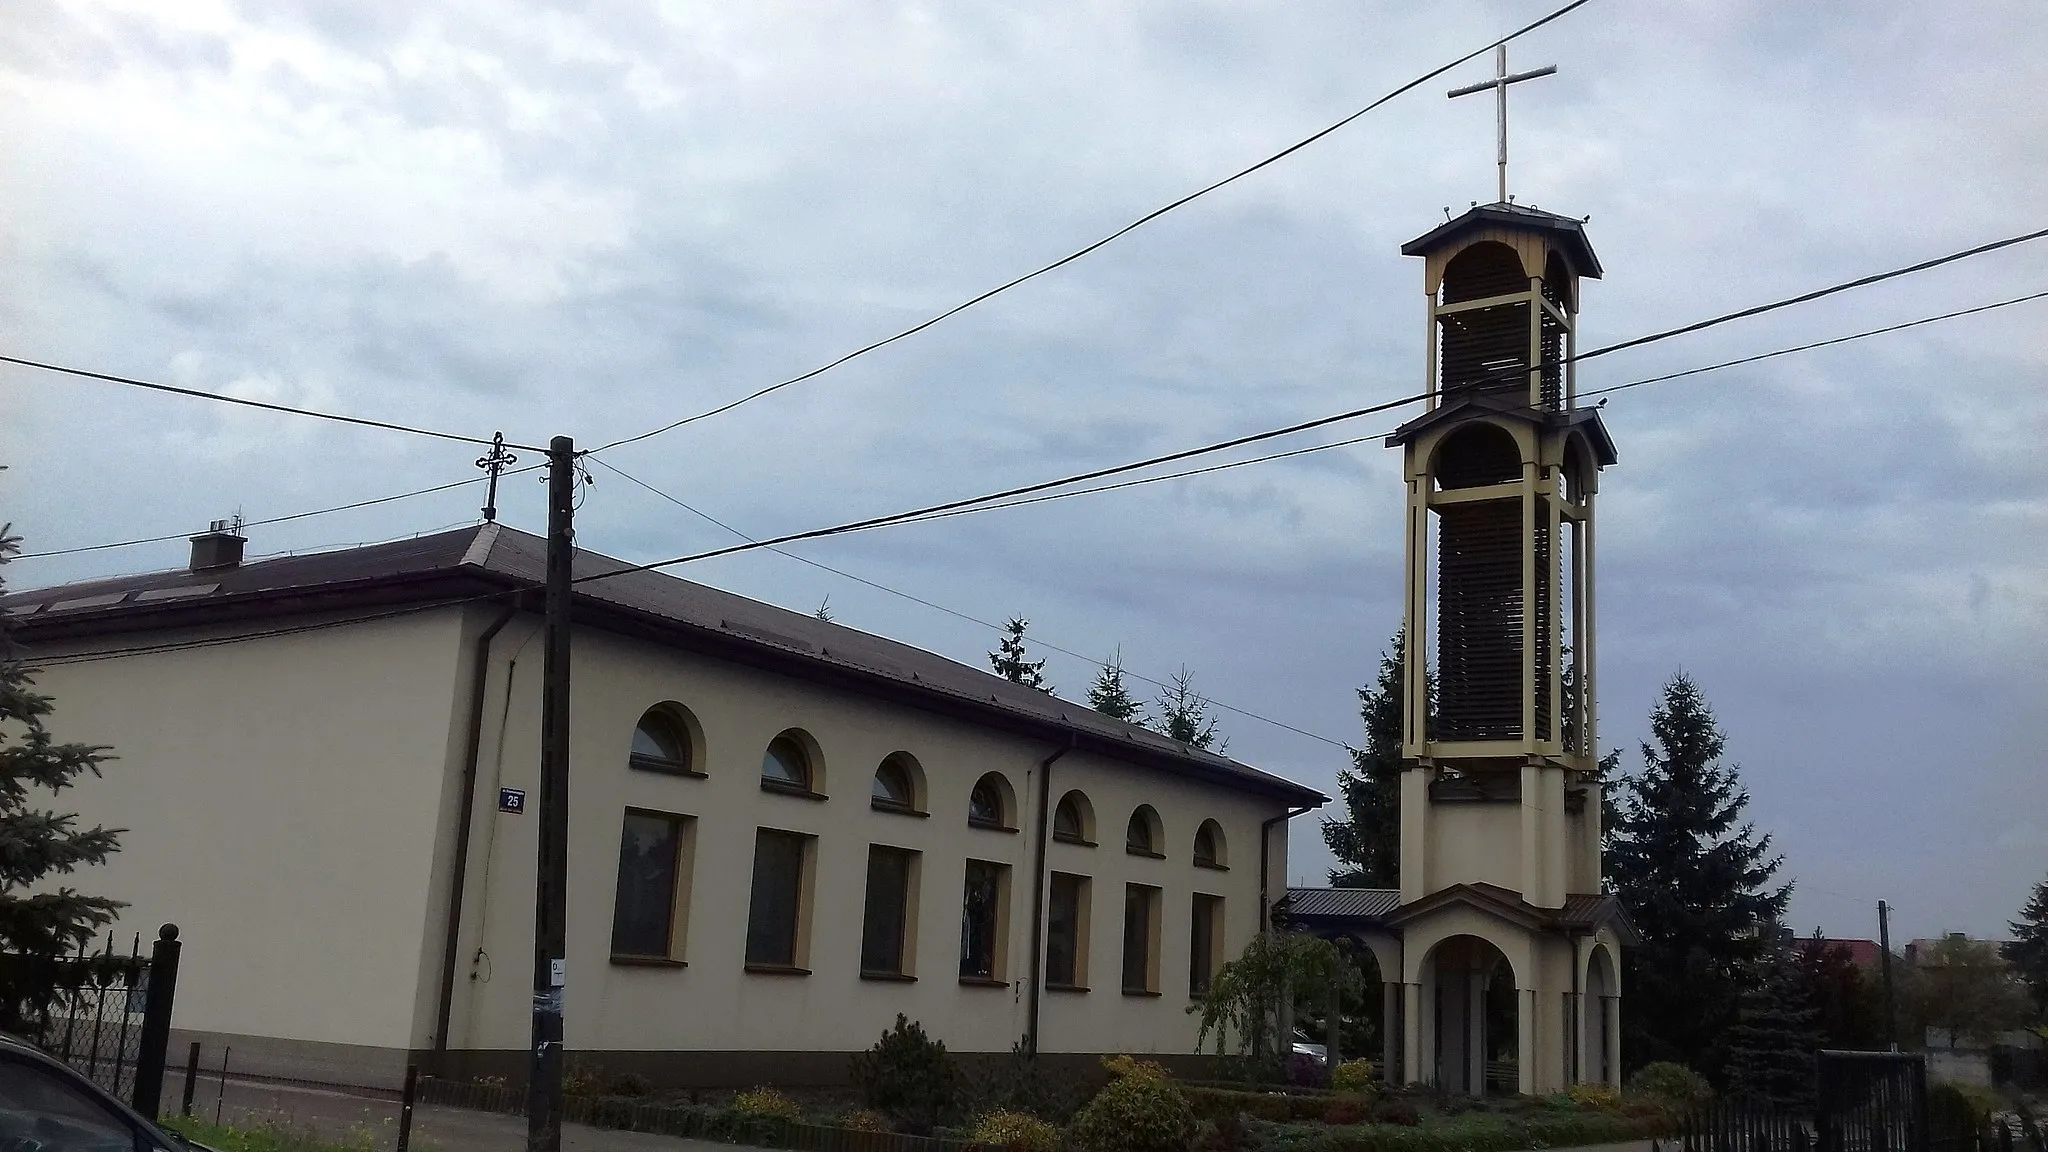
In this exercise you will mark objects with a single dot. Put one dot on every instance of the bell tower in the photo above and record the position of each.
(1501, 471)
(1509, 949)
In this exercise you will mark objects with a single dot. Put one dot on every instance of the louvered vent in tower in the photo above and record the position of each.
(1479, 591)
(1486, 348)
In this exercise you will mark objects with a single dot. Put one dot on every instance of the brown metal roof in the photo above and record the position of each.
(1382, 907)
(665, 608)
(1368, 904)
(1567, 233)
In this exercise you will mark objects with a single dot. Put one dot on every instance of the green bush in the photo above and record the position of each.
(767, 1104)
(1398, 1112)
(864, 1120)
(1473, 1132)
(1596, 1097)
(1352, 1076)
(1016, 1130)
(1346, 1110)
(1278, 1107)
(1139, 1111)
(1672, 1083)
(907, 1076)
(1957, 1112)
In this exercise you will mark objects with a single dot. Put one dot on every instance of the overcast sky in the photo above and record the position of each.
(595, 220)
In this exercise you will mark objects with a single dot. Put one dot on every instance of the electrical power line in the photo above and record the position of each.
(953, 612)
(1006, 498)
(1104, 241)
(1803, 298)
(265, 405)
(1820, 343)
(1039, 499)
(271, 519)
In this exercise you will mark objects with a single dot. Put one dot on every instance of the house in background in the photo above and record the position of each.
(1862, 953)
(784, 832)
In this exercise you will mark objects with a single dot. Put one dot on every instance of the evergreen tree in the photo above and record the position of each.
(1008, 658)
(2027, 951)
(1108, 695)
(1771, 1047)
(1184, 714)
(37, 843)
(1693, 876)
(1366, 840)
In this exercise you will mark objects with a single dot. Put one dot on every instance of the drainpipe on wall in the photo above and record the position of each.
(1266, 865)
(451, 941)
(1038, 895)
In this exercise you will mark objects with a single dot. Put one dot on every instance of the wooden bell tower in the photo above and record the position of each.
(1501, 474)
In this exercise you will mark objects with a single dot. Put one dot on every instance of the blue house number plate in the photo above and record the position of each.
(511, 800)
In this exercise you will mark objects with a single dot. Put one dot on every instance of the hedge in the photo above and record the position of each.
(1472, 1132)
(1278, 1107)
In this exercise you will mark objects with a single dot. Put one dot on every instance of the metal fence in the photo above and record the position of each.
(1872, 1102)
(685, 1120)
(106, 1014)
(1735, 1126)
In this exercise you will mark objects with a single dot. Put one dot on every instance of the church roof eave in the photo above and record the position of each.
(1567, 234)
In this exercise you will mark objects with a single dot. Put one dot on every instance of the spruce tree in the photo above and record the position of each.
(1772, 1044)
(2027, 951)
(39, 843)
(1009, 658)
(1108, 695)
(1184, 714)
(1366, 840)
(1695, 879)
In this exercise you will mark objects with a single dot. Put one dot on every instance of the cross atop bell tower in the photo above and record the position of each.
(1499, 87)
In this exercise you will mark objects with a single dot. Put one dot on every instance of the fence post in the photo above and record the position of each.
(412, 1086)
(191, 1078)
(156, 1021)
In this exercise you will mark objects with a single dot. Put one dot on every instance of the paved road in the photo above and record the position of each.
(339, 1115)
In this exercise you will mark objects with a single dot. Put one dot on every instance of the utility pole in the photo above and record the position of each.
(1884, 947)
(550, 915)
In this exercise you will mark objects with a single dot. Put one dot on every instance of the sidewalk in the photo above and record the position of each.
(339, 1115)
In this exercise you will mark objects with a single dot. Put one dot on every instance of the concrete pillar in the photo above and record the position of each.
(1525, 1041)
(1393, 1032)
(1418, 1052)
(1475, 1033)
(1611, 1022)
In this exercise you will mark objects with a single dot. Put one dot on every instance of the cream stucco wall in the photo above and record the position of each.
(712, 1004)
(282, 798)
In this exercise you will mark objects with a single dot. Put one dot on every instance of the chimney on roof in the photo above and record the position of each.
(219, 546)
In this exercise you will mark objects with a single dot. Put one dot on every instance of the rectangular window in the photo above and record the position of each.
(775, 935)
(1066, 932)
(886, 927)
(984, 911)
(1141, 938)
(1205, 943)
(649, 911)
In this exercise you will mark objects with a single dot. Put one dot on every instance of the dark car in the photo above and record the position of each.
(47, 1106)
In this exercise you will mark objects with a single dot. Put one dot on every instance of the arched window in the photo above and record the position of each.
(895, 788)
(1142, 836)
(662, 743)
(988, 806)
(1209, 846)
(789, 766)
(1073, 821)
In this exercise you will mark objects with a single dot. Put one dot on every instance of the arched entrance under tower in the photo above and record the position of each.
(1472, 1018)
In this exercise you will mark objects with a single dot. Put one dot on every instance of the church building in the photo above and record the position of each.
(784, 832)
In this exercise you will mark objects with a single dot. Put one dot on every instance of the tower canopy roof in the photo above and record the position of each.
(1567, 234)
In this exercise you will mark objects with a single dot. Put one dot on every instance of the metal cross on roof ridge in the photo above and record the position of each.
(1499, 86)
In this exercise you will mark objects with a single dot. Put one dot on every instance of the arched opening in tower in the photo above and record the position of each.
(1485, 348)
